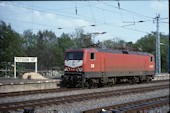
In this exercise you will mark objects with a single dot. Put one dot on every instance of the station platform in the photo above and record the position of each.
(13, 85)
(162, 76)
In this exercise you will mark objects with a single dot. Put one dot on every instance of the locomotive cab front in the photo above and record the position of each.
(73, 69)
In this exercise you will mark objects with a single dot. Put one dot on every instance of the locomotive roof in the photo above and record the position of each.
(124, 52)
(112, 51)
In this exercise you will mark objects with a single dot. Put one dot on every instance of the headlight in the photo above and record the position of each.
(66, 69)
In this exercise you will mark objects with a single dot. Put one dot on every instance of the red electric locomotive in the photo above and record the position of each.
(94, 66)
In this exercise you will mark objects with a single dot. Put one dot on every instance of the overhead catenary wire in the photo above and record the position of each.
(49, 12)
(71, 28)
(115, 12)
(87, 19)
(128, 11)
(44, 11)
(92, 17)
(84, 6)
(121, 16)
(52, 13)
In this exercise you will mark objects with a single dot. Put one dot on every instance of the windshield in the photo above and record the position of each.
(74, 56)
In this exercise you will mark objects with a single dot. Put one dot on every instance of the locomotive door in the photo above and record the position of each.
(146, 65)
(102, 66)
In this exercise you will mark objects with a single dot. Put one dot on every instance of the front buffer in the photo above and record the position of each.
(72, 80)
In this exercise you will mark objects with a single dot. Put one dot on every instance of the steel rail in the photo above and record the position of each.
(133, 107)
(32, 92)
(75, 98)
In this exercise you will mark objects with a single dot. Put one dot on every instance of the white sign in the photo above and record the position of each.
(25, 59)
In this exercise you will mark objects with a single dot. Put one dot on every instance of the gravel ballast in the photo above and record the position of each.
(51, 95)
(91, 104)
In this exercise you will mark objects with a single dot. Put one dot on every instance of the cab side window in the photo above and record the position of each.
(92, 56)
(151, 59)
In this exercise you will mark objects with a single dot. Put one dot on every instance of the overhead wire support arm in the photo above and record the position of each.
(133, 23)
(129, 24)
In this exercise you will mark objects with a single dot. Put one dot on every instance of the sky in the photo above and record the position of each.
(126, 20)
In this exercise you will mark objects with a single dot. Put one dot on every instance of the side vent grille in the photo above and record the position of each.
(125, 52)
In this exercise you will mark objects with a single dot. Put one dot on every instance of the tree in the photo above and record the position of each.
(45, 44)
(81, 39)
(10, 44)
(47, 47)
(63, 43)
(29, 42)
(148, 43)
(132, 46)
(109, 44)
(114, 43)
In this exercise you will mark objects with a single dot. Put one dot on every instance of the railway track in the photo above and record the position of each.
(32, 92)
(140, 106)
(75, 98)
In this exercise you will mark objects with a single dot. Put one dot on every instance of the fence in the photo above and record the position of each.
(45, 73)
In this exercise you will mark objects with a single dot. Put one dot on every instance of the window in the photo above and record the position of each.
(151, 59)
(92, 56)
(74, 56)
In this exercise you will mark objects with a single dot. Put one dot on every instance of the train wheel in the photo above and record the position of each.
(91, 83)
(100, 84)
(132, 80)
(137, 79)
(148, 78)
(82, 85)
(112, 81)
(140, 81)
